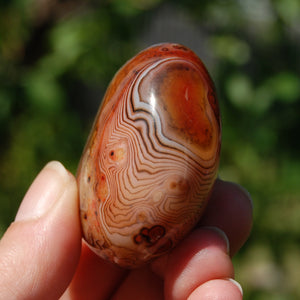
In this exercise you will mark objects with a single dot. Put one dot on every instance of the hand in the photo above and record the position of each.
(42, 255)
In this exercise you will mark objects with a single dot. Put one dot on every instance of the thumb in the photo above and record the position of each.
(40, 250)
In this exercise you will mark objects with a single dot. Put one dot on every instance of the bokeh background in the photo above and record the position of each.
(57, 58)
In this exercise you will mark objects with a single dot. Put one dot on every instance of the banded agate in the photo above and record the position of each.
(151, 160)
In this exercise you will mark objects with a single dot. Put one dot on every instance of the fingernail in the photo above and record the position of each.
(237, 285)
(45, 191)
(222, 234)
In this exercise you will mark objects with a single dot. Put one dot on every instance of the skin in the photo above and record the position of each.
(42, 255)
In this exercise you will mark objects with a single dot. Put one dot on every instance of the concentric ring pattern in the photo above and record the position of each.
(152, 156)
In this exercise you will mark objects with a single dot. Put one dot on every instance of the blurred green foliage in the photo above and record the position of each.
(57, 57)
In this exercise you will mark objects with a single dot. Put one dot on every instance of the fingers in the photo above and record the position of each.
(44, 243)
(40, 250)
(230, 209)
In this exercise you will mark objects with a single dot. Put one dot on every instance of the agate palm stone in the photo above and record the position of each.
(151, 160)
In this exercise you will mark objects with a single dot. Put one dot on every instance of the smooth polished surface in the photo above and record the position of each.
(150, 162)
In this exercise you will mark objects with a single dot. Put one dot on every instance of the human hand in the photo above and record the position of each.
(42, 255)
